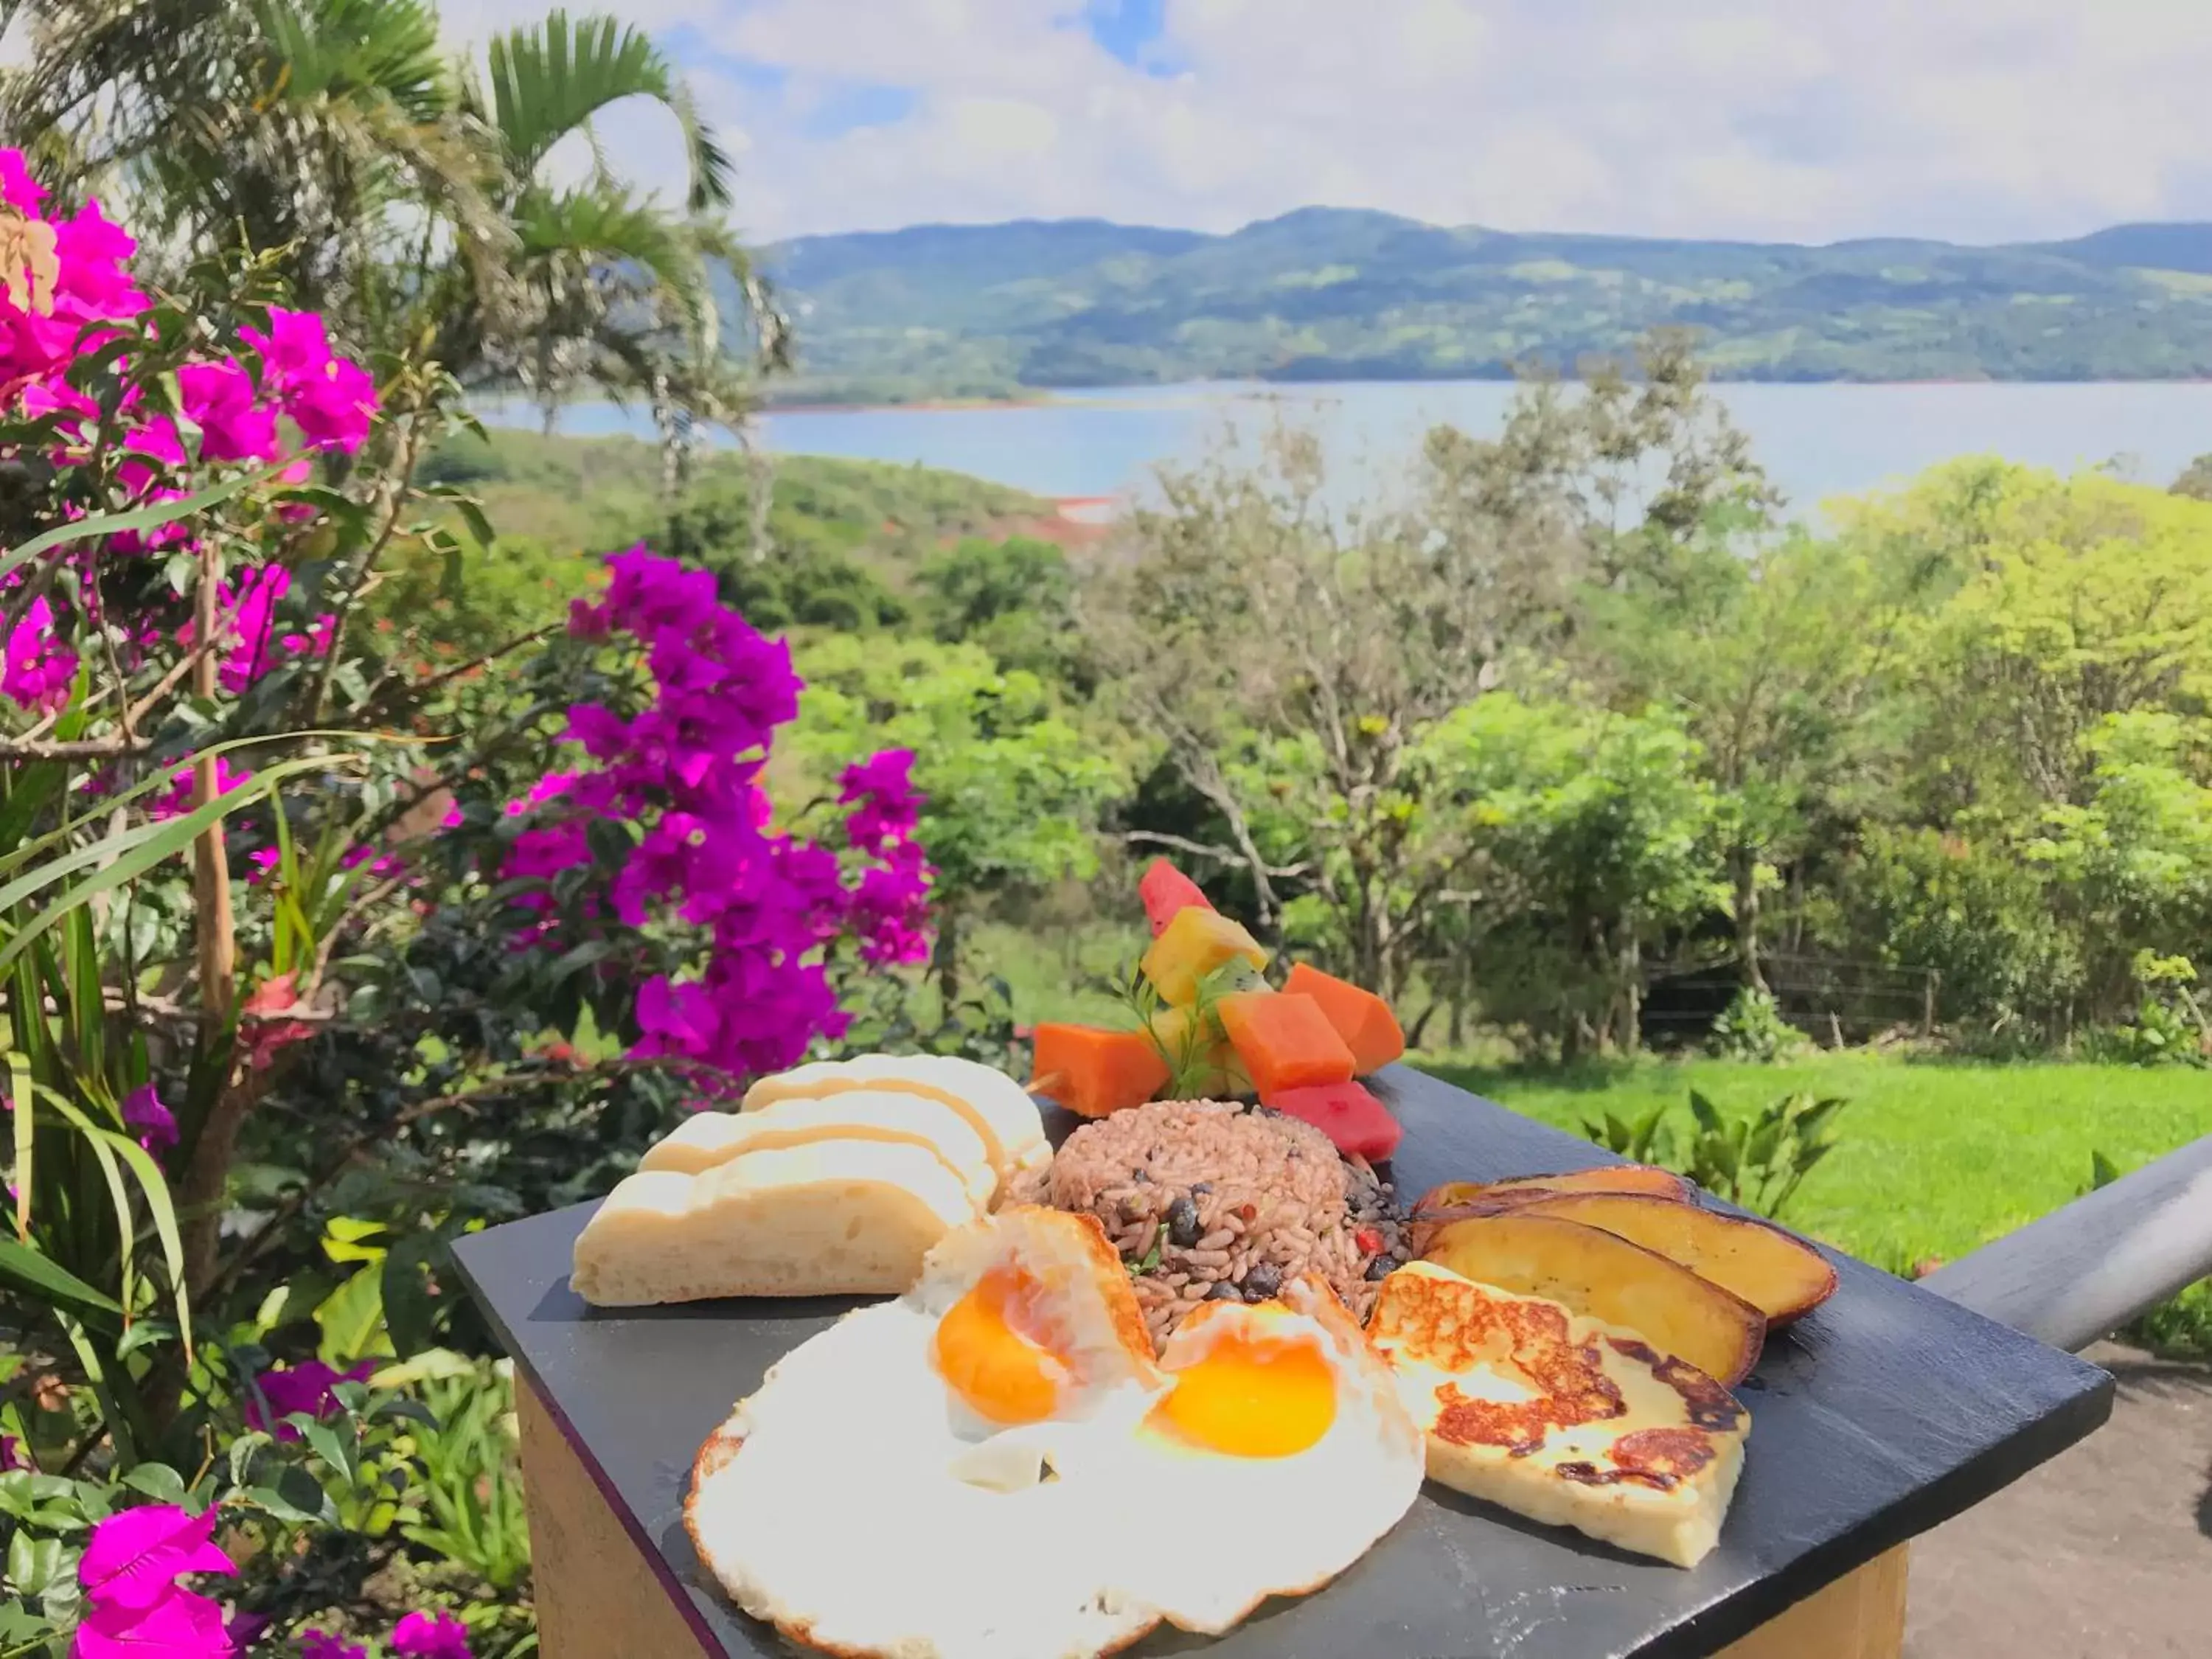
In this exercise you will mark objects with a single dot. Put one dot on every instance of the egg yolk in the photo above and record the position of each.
(989, 1349)
(1253, 1396)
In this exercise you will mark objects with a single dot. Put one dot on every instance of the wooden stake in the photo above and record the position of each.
(218, 940)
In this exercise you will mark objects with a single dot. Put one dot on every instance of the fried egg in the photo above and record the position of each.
(1283, 1427)
(995, 1466)
(896, 1484)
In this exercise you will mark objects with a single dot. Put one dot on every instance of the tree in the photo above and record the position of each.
(619, 291)
(1287, 658)
(1013, 789)
(399, 193)
(1782, 661)
(2196, 479)
(1590, 839)
(1014, 597)
(2055, 605)
(1290, 656)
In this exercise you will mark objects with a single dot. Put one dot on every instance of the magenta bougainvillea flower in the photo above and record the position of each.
(178, 799)
(145, 1116)
(430, 1636)
(686, 771)
(287, 393)
(37, 669)
(135, 1607)
(303, 1389)
(180, 1625)
(135, 1558)
(315, 1645)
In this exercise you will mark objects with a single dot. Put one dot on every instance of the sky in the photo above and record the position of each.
(1972, 120)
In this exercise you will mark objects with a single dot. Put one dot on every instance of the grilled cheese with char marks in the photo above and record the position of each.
(1566, 1420)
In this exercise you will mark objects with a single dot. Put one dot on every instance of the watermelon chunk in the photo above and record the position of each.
(1165, 891)
(1347, 1113)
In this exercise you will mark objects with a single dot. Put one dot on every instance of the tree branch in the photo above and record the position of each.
(79, 749)
(1219, 854)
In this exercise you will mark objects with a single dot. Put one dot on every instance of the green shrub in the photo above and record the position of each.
(1751, 1028)
(1757, 1162)
(2169, 1027)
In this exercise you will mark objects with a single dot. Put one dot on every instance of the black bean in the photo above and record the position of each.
(1182, 1223)
(1201, 1186)
(1140, 1175)
(1222, 1290)
(1261, 1280)
(1381, 1268)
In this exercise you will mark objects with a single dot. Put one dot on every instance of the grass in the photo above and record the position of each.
(1935, 1157)
(595, 493)
(1053, 973)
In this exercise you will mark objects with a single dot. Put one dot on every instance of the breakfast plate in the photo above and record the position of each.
(1879, 1413)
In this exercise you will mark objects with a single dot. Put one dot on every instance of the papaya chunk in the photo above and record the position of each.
(1362, 1020)
(1286, 1042)
(1095, 1072)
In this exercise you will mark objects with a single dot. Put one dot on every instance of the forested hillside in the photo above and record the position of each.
(1324, 294)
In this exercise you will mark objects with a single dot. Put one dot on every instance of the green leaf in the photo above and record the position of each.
(144, 1334)
(581, 958)
(22, 1629)
(20, 1095)
(101, 525)
(30, 1270)
(1708, 1117)
(352, 1317)
(32, 1563)
(1818, 1116)
(243, 1451)
(297, 1498)
(109, 1145)
(30, 787)
(342, 1452)
(410, 1311)
(157, 1482)
(2103, 1172)
(124, 858)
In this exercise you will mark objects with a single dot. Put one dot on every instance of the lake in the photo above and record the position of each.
(1814, 440)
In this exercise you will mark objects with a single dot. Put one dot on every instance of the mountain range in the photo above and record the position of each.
(1325, 293)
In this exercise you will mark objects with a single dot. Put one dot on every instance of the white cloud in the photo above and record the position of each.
(1981, 120)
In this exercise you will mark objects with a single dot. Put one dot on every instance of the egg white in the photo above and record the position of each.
(856, 1503)
(1230, 1531)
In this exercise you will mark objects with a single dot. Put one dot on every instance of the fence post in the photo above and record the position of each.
(1928, 1003)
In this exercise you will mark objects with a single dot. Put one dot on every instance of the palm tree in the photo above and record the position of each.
(621, 289)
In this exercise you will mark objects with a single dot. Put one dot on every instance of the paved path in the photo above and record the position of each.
(2105, 1552)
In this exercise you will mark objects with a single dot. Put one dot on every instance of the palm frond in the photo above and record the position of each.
(548, 82)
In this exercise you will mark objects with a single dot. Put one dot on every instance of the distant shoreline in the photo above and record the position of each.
(1048, 397)
(919, 405)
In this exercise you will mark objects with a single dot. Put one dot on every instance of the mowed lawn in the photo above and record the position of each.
(1934, 1158)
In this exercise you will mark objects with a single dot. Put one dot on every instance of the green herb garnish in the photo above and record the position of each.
(1189, 1055)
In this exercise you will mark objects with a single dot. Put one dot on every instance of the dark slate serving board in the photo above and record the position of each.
(1879, 1415)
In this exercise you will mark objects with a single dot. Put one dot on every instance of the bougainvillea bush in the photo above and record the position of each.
(316, 951)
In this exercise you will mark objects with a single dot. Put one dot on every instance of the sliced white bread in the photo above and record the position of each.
(835, 1217)
(712, 1138)
(998, 1107)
